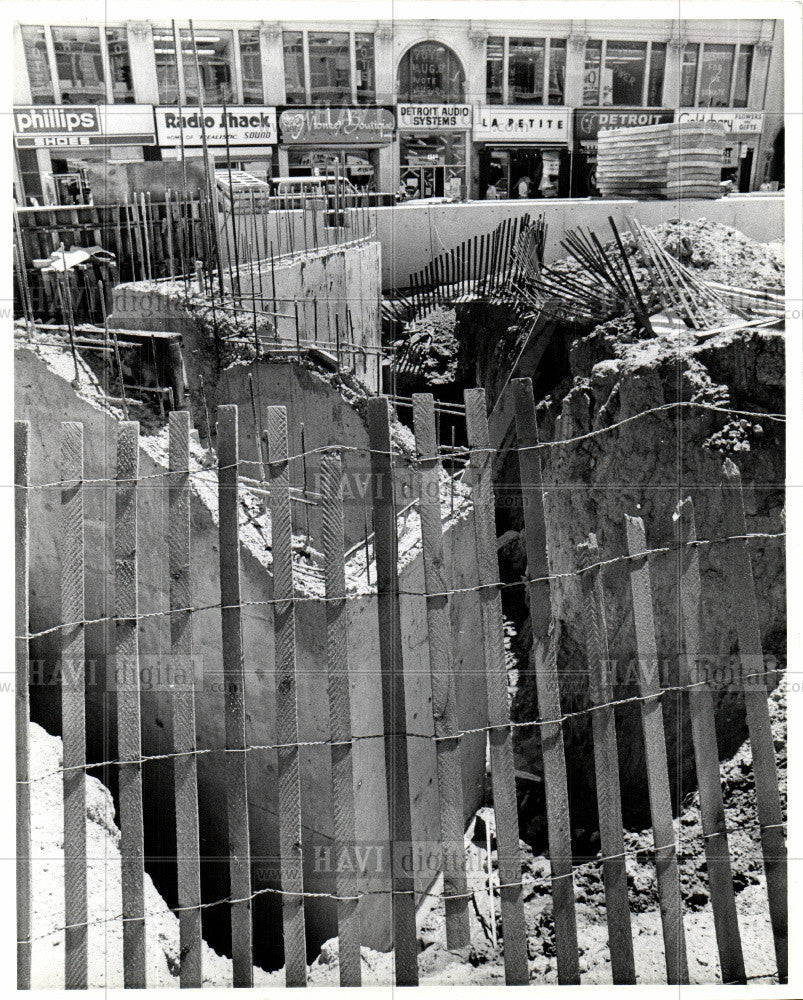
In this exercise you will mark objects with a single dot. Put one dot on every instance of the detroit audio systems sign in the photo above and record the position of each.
(520, 124)
(76, 125)
(244, 125)
(440, 117)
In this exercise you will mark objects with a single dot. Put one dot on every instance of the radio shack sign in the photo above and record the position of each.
(440, 117)
(365, 126)
(75, 125)
(589, 122)
(520, 124)
(244, 125)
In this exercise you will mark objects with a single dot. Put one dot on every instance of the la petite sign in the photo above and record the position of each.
(535, 125)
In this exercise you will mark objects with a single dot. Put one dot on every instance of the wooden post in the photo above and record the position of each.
(768, 799)
(652, 721)
(73, 710)
(544, 665)
(444, 698)
(393, 692)
(22, 713)
(606, 765)
(284, 628)
(129, 745)
(501, 742)
(706, 755)
(337, 664)
(183, 699)
(234, 680)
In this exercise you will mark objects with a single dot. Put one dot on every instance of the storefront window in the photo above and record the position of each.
(623, 80)
(716, 69)
(214, 59)
(741, 88)
(164, 47)
(494, 68)
(430, 71)
(433, 166)
(295, 87)
(120, 66)
(655, 86)
(557, 70)
(251, 67)
(525, 71)
(79, 65)
(591, 72)
(366, 78)
(33, 40)
(688, 75)
(357, 165)
(329, 67)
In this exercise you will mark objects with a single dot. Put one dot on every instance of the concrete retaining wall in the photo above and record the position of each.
(412, 235)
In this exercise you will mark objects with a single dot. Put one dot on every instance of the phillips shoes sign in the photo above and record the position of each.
(84, 125)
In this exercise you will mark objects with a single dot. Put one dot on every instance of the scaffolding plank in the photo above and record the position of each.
(394, 709)
(337, 664)
(545, 667)
(444, 699)
(652, 721)
(22, 712)
(234, 681)
(185, 775)
(499, 736)
(129, 739)
(706, 754)
(768, 799)
(606, 766)
(284, 626)
(73, 707)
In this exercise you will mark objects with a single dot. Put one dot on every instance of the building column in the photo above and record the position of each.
(672, 72)
(270, 38)
(575, 68)
(143, 62)
(384, 64)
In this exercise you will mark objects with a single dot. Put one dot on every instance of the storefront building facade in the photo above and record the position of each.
(435, 109)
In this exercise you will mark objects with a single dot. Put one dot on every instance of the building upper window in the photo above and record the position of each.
(251, 67)
(33, 40)
(212, 56)
(364, 62)
(330, 79)
(715, 75)
(79, 65)
(122, 83)
(617, 73)
(164, 47)
(295, 87)
(525, 70)
(430, 71)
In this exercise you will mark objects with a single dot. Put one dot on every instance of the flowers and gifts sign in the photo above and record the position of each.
(313, 125)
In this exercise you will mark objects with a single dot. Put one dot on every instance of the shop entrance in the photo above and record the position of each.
(433, 166)
(523, 172)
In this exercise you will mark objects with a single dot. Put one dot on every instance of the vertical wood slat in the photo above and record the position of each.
(337, 665)
(768, 799)
(393, 692)
(73, 710)
(129, 738)
(444, 699)
(706, 755)
(606, 766)
(22, 703)
(185, 773)
(284, 626)
(652, 720)
(546, 679)
(500, 739)
(234, 682)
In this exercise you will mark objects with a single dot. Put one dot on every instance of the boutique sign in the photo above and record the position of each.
(439, 117)
(528, 125)
(244, 125)
(361, 126)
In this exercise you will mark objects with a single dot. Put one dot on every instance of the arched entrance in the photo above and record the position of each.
(432, 161)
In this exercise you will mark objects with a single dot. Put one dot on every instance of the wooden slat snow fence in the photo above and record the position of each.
(435, 597)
